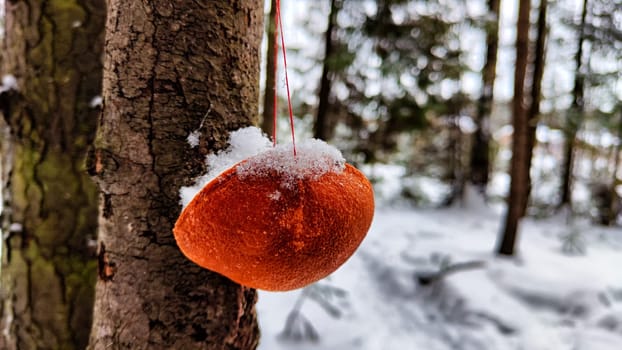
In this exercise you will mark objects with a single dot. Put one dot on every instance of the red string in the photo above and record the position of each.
(278, 21)
(275, 71)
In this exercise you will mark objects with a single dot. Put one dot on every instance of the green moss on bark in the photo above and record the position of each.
(54, 49)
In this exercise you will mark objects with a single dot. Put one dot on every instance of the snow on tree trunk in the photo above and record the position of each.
(51, 50)
(170, 67)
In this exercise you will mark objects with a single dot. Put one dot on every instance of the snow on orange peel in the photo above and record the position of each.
(278, 222)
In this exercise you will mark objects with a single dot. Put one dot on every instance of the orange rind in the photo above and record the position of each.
(271, 231)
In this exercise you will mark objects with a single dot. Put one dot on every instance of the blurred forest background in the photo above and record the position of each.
(429, 87)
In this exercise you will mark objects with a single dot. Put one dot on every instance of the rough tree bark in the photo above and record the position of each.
(322, 128)
(53, 48)
(536, 92)
(170, 68)
(480, 152)
(267, 122)
(575, 115)
(518, 167)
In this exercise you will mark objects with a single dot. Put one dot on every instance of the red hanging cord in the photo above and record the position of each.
(278, 21)
(275, 72)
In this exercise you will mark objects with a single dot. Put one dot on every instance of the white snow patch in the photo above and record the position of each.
(9, 82)
(243, 143)
(473, 199)
(542, 300)
(96, 102)
(313, 159)
(193, 138)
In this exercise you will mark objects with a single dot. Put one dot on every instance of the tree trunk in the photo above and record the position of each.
(480, 162)
(574, 117)
(455, 163)
(322, 129)
(267, 122)
(53, 48)
(520, 140)
(536, 88)
(613, 208)
(170, 67)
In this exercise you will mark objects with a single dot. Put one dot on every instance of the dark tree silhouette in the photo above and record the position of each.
(520, 139)
(321, 129)
(480, 162)
(536, 89)
(575, 113)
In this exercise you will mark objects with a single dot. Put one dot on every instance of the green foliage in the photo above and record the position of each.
(341, 59)
(602, 57)
(395, 59)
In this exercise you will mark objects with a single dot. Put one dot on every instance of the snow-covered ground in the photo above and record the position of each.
(563, 291)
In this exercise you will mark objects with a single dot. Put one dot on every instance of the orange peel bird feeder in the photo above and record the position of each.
(279, 220)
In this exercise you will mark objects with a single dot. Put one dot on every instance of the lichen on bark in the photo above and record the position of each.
(53, 49)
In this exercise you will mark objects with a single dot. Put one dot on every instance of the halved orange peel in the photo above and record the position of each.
(264, 228)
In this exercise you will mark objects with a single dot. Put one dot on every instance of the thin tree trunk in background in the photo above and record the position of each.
(520, 139)
(267, 122)
(574, 117)
(614, 203)
(536, 89)
(455, 162)
(480, 152)
(322, 128)
(167, 64)
(54, 51)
